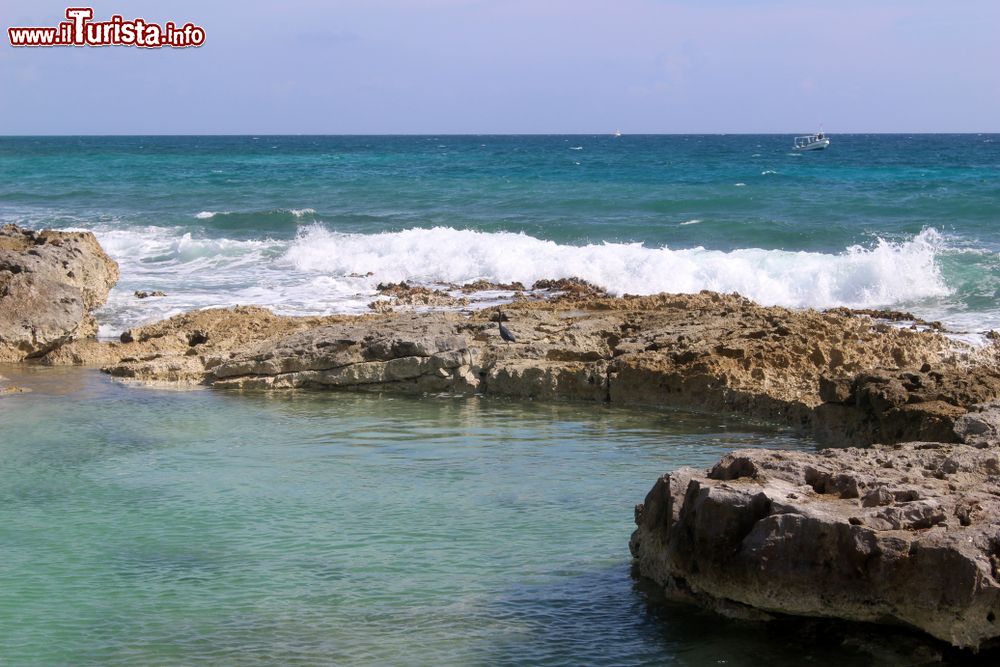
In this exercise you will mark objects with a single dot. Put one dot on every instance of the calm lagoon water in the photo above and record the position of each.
(150, 526)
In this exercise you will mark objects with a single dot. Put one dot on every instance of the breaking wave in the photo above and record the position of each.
(324, 271)
(882, 275)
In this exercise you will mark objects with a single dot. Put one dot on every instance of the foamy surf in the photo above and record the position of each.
(859, 277)
(318, 271)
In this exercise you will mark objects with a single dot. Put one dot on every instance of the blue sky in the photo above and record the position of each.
(517, 66)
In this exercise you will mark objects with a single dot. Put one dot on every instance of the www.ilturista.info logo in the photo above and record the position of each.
(80, 30)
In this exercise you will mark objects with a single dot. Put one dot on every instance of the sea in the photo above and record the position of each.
(297, 223)
(166, 526)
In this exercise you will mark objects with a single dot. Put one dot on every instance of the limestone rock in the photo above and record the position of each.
(846, 377)
(407, 353)
(49, 284)
(980, 426)
(906, 534)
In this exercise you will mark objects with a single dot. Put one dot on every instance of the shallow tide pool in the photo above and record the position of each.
(150, 526)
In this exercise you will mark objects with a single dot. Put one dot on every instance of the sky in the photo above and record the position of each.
(516, 66)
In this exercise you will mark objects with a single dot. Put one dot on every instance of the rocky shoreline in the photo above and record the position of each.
(904, 532)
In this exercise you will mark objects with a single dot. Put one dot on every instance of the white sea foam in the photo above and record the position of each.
(317, 271)
(299, 212)
(860, 277)
(690, 222)
(205, 215)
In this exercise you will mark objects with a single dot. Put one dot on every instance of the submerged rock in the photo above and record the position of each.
(50, 282)
(905, 534)
(6, 389)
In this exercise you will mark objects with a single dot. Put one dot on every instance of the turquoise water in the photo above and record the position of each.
(902, 221)
(144, 526)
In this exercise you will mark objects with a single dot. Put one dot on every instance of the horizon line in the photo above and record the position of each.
(475, 134)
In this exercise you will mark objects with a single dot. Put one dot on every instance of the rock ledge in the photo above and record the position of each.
(890, 534)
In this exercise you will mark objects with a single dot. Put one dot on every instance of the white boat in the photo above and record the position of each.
(618, 133)
(811, 142)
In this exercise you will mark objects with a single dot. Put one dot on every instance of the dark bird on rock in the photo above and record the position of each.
(504, 331)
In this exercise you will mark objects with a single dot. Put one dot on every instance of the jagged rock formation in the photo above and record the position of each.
(849, 377)
(49, 284)
(905, 533)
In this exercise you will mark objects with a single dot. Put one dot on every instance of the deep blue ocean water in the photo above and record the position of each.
(901, 221)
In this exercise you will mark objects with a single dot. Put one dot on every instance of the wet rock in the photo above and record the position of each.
(403, 294)
(145, 295)
(8, 389)
(571, 288)
(488, 286)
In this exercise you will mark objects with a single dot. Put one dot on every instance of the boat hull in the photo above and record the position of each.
(814, 146)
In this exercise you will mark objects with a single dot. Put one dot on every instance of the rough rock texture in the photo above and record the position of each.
(49, 284)
(849, 377)
(905, 533)
(178, 349)
(980, 427)
(412, 354)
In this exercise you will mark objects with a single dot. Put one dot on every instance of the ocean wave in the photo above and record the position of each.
(323, 271)
(885, 274)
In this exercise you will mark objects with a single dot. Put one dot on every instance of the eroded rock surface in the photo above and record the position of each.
(850, 377)
(905, 533)
(49, 284)
(411, 353)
